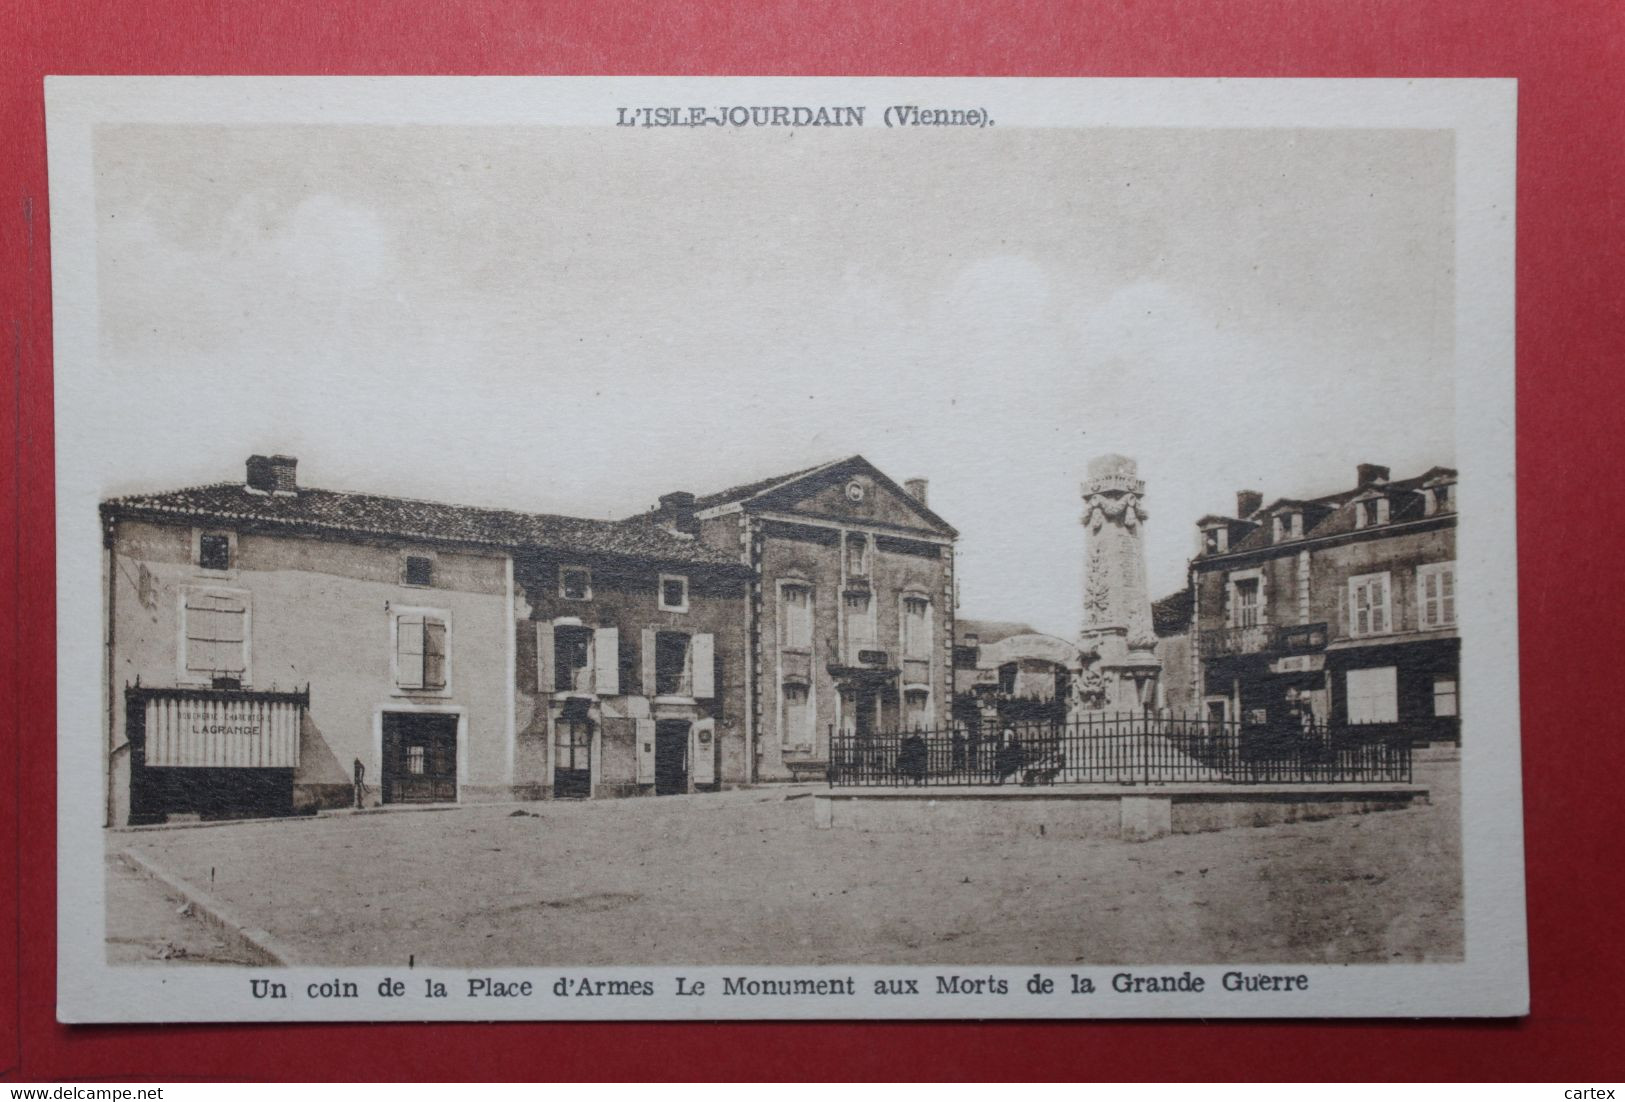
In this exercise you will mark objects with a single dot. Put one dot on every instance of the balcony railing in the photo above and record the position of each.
(1263, 639)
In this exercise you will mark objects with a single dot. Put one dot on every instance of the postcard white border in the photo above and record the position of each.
(1493, 978)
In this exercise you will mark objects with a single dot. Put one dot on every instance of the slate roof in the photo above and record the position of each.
(345, 513)
(1333, 514)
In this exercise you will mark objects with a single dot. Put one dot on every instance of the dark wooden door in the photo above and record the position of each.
(671, 757)
(420, 758)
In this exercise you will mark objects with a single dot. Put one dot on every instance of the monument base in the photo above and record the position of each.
(1131, 813)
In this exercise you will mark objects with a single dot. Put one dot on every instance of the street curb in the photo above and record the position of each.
(212, 911)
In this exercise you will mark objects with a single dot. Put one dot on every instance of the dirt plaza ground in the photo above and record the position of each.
(744, 878)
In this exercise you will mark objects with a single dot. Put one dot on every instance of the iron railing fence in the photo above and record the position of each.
(1123, 748)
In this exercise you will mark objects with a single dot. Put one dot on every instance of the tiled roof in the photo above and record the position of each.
(406, 518)
(1333, 514)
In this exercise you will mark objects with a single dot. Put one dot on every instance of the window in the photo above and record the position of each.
(1373, 695)
(420, 650)
(916, 628)
(418, 570)
(860, 624)
(796, 617)
(673, 593)
(1382, 510)
(798, 717)
(1368, 605)
(1218, 540)
(215, 624)
(917, 709)
(671, 664)
(1447, 497)
(415, 759)
(572, 744)
(1436, 595)
(214, 551)
(1360, 519)
(1277, 529)
(857, 555)
(1295, 527)
(1248, 608)
(572, 658)
(1444, 696)
(575, 583)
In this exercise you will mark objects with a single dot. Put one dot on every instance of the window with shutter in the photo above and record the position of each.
(795, 617)
(216, 623)
(421, 650)
(916, 628)
(798, 718)
(1436, 594)
(1368, 605)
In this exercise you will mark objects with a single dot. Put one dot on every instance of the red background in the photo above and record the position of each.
(1571, 345)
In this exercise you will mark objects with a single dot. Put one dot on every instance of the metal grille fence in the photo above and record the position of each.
(1124, 748)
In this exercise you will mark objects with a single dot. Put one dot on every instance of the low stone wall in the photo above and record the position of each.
(1101, 811)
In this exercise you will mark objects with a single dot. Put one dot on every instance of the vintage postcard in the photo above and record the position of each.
(785, 548)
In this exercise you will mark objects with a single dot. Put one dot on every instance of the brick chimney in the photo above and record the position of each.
(1370, 474)
(1248, 502)
(677, 510)
(917, 488)
(273, 474)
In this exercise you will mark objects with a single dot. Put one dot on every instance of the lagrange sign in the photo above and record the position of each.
(216, 734)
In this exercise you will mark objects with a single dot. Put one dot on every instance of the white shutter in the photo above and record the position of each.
(1373, 695)
(646, 663)
(646, 750)
(606, 648)
(704, 751)
(702, 658)
(544, 656)
(409, 651)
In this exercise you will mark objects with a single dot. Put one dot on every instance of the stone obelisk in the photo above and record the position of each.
(1116, 607)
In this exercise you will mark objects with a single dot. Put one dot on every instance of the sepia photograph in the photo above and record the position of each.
(755, 548)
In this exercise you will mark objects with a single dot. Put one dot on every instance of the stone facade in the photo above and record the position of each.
(1338, 609)
(851, 614)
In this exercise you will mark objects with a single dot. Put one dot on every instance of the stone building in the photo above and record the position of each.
(850, 624)
(1006, 672)
(1338, 609)
(266, 639)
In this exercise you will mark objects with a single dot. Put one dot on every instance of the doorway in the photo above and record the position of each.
(420, 758)
(572, 759)
(671, 756)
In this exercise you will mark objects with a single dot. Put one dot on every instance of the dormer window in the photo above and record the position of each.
(1439, 499)
(1295, 526)
(1371, 511)
(1216, 540)
(1277, 528)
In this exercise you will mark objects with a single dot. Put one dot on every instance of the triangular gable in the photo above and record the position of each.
(823, 492)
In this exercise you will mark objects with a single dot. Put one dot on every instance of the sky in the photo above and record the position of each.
(579, 319)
